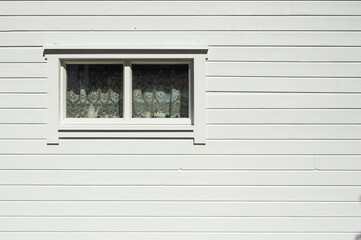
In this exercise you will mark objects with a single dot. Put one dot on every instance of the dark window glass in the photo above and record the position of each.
(94, 90)
(160, 91)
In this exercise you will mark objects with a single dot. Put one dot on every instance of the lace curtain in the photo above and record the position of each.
(94, 91)
(160, 91)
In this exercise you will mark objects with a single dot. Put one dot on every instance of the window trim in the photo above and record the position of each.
(101, 123)
(139, 128)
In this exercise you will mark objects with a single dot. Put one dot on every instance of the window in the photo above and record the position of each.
(160, 91)
(93, 90)
(126, 93)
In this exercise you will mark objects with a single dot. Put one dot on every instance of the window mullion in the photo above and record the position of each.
(127, 99)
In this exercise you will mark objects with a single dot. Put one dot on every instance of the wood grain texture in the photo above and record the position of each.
(179, 209)
(23, 85)
(281, 69)
(23, 100)
(15, 116)
(180, 178)
(284, 84)
(282, 158)
(166, 162)
(97, 224)
(283, 100)
(174, 236)
(338, 163)
(278, 54)
(191, 8)
(28, 70)
(182, 193)
(284, 132)
(284, 116)
(172, 23)
(17, 131)
(21, 54)
(229, 53)
(238, 38)
(186, 146)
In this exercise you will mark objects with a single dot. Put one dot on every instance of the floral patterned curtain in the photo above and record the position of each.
(94, 91)
(160, 91)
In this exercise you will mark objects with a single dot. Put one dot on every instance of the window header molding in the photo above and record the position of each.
(56, 54)
(125, 47)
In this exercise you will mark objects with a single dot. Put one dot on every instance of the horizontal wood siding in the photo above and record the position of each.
(179, 178)
(164, 162)
(213, 38)
(281, 194)
(184, 146)
(185, 8)
(180, 224)
(281, 116)
(185, 23)
(13, 116)
(23, 85)
(284, 84)
(174, 236)
(283, 109)
(180, 209)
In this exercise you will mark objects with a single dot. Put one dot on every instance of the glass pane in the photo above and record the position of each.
(94, 91)
(160, 91)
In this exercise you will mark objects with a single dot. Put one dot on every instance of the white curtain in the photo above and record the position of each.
(160, 91)
(94, 91)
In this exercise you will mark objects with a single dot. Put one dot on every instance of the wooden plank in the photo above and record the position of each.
(121, 23)
(244, 38)
(173, 236)
(284, 116)
(20, 70)
(11, 131)
(21, 54)
(179, 178)
(185, 162)
(294, 8)
(126, 134)
(115, 126)
(23, 101)
(178, 209)
(284, 100)
(230, 53)
(183, 147)
(304, 54)
(287, 69)
(290, 84)
(199, 100)
(338, 163)
(23, 85)
(22, 115)
(61, 224)
(284, 132)
(181, 193)
(53, 72)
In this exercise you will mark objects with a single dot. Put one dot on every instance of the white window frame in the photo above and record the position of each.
(101, 123)
(59, 127)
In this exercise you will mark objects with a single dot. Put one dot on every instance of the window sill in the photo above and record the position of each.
(139, 134)
(120, 128)
(125, 127)
(166, 131)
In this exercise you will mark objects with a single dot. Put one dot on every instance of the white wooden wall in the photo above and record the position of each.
(283, 155)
